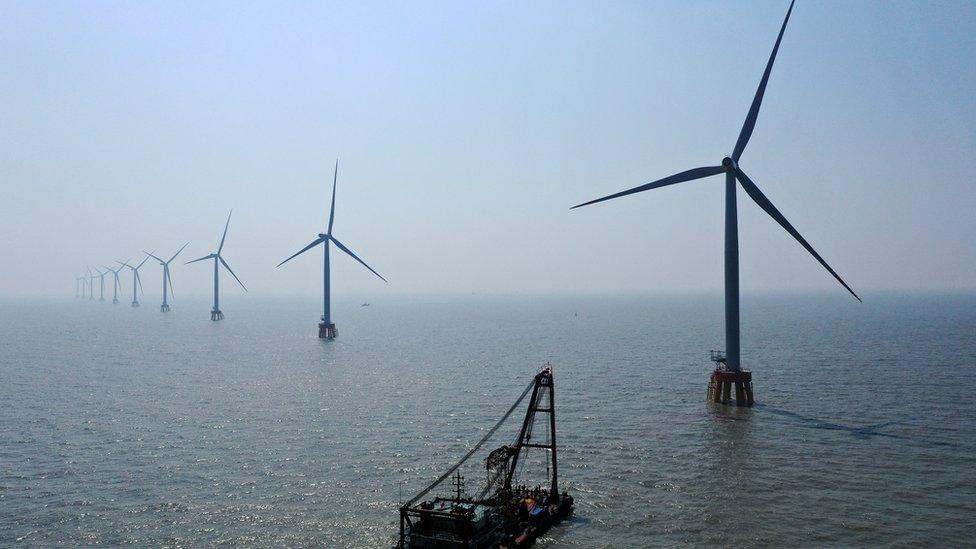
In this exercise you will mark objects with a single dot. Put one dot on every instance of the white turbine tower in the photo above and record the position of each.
(167, 278)
(216, 313)
(327, 327)
(116, 283)
(136, 281)
(101, 284)
(728, 370)
(91, 285)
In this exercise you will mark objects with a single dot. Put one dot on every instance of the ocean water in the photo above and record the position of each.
(126, 426)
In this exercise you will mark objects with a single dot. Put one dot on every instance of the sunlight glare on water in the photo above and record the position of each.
(126, 426)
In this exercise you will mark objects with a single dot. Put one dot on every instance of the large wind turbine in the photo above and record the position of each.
(116, 283)
(216, 314)
(167, 279)
(136, 281)
(729, 369)
(327, 327)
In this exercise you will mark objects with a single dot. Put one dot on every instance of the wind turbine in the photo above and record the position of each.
(327, 327)
(101, 282)
(216, 314)
(167, 278)
(728, 368)
(136, 281)
(78, 280)
(91, 285)
(116, 283)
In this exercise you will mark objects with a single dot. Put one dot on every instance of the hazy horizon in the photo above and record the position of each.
(153, 294)
(465, 132)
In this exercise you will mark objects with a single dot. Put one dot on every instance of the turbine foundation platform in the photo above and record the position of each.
(722, 382)
(164, 308)
(327, 330)
(115, 302)
(135, 303)
(216, 315)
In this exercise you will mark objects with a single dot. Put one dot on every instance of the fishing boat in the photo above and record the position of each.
(503, 514)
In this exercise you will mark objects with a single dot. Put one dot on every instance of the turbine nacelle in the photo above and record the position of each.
(729, 164)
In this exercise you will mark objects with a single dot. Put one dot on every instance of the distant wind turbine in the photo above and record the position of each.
(136, 281)
(327, 327)
(216, 313)
(167, 278)
(101, 283)
(78, 280)
(116, 283)
(723, 377)
(91, 285)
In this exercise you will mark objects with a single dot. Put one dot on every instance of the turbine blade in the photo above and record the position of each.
(152, 256)
(348, 251)
(303, 250)
(208, 256)
(696, 173)
(335, 178)
(169, 278)
(221, 247)
(178, 253)
(143, 262)
(226, 266)
(750, 122)
(139, 283)
(759, 198)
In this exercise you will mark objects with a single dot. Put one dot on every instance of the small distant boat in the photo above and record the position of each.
(504, 514)
(365, 305)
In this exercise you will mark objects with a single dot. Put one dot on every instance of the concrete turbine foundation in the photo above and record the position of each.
(216, 315)
(164, 308)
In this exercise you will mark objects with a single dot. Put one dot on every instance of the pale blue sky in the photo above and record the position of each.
(465, 131)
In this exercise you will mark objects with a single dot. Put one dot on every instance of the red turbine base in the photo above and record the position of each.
(721, 383)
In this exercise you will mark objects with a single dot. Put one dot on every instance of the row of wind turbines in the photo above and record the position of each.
(729, 372)
(84, 285)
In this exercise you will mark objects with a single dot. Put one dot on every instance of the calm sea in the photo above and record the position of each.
(127, 426)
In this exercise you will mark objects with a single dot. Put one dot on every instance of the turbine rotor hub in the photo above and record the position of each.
(729, 164)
